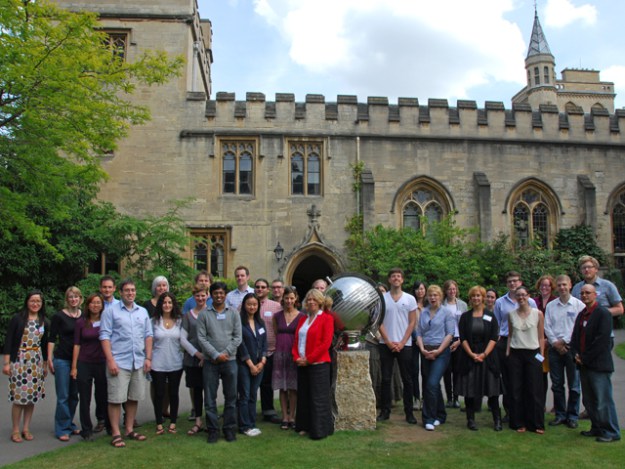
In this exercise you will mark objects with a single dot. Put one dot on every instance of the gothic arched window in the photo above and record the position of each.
(618, 223)
(422, 202)
(305, 167)
(533, 216)
(238, 167)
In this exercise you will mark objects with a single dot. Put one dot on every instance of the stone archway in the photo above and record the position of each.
(308, 270)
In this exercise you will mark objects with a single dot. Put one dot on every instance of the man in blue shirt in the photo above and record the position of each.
(503, 306)
(126, 337)
(607, 293)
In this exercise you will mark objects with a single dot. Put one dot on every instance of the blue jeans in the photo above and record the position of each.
(433, 404)
(248, 391)
(599, 403)
(66, 398)
(559, 365)
(212, 373)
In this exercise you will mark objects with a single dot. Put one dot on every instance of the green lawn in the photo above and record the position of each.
(620, 350)
(394, 445)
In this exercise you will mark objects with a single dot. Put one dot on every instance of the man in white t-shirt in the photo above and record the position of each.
(396, 343)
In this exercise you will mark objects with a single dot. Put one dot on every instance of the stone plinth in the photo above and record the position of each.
(354, 393)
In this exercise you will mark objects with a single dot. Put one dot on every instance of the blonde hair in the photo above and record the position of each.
(435, 289)
(76, 291)
(478, 289)
(324, 301)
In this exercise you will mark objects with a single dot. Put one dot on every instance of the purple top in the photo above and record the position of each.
(285, 333)
(87, 335)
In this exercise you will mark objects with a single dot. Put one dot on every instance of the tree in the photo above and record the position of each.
(64, 102)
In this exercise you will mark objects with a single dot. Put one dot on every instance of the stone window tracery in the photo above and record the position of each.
(117, 42)
(533, 215)
(238, 167)
(422, 204)
(305, 158)
(209, 248)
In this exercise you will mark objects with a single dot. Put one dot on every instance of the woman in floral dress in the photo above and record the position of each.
(25, 362)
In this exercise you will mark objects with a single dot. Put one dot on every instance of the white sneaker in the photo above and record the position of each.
(252, 432)
(429, 427)
(437, 423)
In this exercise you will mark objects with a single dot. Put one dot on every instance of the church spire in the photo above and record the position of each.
(538, 41)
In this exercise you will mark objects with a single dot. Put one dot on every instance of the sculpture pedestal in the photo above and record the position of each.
(354, 393)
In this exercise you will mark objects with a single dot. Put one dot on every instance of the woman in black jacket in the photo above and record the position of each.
(25, 362)
(478, 366)
(251, 358)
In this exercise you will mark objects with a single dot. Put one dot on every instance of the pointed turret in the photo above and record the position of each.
(538, 41)
(540, 68)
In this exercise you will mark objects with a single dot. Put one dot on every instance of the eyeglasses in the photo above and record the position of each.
(587, 267)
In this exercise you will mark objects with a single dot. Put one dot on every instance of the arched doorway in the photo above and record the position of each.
(310, 269)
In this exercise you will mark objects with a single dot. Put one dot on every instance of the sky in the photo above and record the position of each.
(452, 49)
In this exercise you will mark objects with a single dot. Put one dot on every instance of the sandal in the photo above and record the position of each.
(160, 430)
(540, 431)
(136, 436)
(99, 427)
(76, 432)
(521, 430)
(27, 435)
(172, 428)
(195, 429)
(284, 425)
(118, 442)
(64, 438)
(16, 437)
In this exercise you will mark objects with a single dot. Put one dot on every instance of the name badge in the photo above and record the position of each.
(584, 323)
(571, 314)
(487, 318)
(268, 314)
(96, 324)
(539, 357)
(261, 331)
(221, 316)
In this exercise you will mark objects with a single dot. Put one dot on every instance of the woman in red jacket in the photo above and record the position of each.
(313, 338)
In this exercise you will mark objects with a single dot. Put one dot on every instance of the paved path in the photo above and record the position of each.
(43, 417)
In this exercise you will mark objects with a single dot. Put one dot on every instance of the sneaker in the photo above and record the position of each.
(429, 427)
(213, 436)
(252, 432)
(437, 423)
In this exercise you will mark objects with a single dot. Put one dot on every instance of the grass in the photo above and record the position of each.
(394, 444)
(620, 350)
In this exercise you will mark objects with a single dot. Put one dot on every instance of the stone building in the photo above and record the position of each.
(266, 173)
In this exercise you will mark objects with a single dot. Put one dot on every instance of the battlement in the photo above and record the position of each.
(409, 117)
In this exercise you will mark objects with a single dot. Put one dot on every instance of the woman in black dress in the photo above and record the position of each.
(478, 366)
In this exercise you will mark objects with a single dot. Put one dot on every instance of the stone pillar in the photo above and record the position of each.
(588, 204)
(354, 392)
(482, 195)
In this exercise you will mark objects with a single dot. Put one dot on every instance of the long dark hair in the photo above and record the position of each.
(415, 287)
(88, 301)
(158, 311)
(243, 312)
(41, 315)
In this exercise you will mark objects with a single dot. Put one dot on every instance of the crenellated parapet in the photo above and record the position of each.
(410, 118)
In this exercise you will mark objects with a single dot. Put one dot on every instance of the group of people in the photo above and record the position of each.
(490, 347)
(241, 338)
(503, 346)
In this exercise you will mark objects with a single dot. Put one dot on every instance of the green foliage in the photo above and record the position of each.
(448, 252)
(578, 241)
(357, 169)
(64, 101)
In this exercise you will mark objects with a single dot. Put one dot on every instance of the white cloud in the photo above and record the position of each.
(615, 74)
(561, 13)
(419, 47)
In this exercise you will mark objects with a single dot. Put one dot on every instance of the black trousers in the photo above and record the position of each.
(169, 380)
(404, 359)
(526, 390)
(500, 349)
(88, 375)
(314, 414)
(266, 390)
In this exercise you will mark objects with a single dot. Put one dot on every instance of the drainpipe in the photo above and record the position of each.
(357, 163)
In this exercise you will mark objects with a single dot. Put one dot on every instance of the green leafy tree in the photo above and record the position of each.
(64, 101)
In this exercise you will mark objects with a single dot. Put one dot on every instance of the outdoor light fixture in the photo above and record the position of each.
(278, 252)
